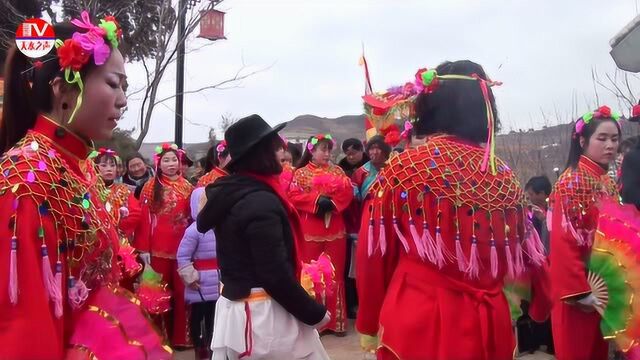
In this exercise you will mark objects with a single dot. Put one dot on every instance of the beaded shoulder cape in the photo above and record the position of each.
(418, 183)
(576, 193)
(33, 170)
(172, 192)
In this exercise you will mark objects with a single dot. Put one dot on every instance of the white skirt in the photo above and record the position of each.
(260, 328)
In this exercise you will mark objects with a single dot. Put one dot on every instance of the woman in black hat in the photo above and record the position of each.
(263, 312)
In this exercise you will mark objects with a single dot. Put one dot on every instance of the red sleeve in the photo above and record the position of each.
(28, 329)
(129, 223)
(541, 303)
(306, 201)
(343, 196)
(568, 268)
(142, 238)
(373, 273)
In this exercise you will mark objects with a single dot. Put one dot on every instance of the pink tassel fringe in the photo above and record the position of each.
(78, 292)
(429, 241)
(566, 223)
(549, 217)
(382, 238)
(519, 263)
(403, 239)
(494, 259)
(510, 269)
(462, 260)
(58, 308)
(417, 240)
(533, 244)
(441, 254)
(13, 272)
(370, 238)
(474, 260)
(47, 275)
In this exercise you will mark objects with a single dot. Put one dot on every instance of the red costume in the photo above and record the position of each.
(117, 197)
(163, 227)
(437, 239)
(55, 232)
(326, 234)
(573, 221)
(286, 177)
(211, 176)
(125, 211)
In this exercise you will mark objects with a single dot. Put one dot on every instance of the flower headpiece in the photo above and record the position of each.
(221, 147)
(74, 53)
(408, 126)
(163, 149)
(102, 152)
(398, 103)
(635, 113)
(317, 138)
(603, 112)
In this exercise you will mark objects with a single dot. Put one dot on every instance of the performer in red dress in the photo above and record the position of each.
(59, 285)
(166, 214)
(573, 220)
(321, 192)
(217, 158)
(124, 209)
(443, 226)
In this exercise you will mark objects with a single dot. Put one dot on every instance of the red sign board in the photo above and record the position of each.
(212, 25)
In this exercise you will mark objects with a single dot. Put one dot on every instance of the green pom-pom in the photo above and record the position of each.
(93, 154)
(615, 116)
(428, 77)
(587, 117)
(158, 149)
(314, 141)
(328, 136)
(112, 32)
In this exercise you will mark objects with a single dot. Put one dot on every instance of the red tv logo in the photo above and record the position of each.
(35, 38)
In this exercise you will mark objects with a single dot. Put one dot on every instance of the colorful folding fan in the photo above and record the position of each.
(153, 293)
(614, 275)
(318, 278)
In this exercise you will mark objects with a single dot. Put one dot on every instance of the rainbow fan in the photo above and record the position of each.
(614, 275)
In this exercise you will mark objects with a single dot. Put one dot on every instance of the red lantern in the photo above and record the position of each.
(212, 25)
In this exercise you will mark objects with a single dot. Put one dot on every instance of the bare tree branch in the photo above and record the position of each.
(236, 78)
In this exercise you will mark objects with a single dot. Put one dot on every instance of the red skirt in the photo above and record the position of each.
(429, 315)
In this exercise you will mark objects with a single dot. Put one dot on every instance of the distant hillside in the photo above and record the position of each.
(344, 127)
(529, 153)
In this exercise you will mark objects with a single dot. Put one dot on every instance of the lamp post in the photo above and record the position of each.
(212, 28)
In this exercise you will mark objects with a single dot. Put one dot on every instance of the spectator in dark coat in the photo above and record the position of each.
(256, 230)
(355, 157)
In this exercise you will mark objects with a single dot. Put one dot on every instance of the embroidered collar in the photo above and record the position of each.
(63, 138)
(592, 166)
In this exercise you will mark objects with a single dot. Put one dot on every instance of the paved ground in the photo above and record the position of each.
(348, 348)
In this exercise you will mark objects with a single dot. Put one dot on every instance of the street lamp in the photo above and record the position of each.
(215, 21)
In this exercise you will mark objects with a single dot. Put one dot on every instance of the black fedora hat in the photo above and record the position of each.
(245, 134)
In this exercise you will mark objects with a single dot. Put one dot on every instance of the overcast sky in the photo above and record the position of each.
(543, 51)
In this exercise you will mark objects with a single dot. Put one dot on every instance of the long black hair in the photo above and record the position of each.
(456, 107)
(307, 156)
(575, 149)
(260, 159)
(157, 184)
(27, 89)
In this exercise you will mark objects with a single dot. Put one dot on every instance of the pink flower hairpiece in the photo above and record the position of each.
(160, 150)
(74, 53)
(603, 112)
(316, 139)
(407, 129)
(221, 147)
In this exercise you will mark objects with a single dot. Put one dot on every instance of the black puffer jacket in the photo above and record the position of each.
(255, 244)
